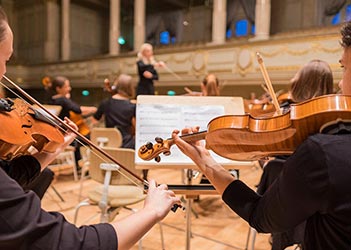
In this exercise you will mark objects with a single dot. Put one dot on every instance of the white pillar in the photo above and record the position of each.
(139, 23)
(114, 27)
(65, 42)
(262, 19)
(52, 47)
(219, 18)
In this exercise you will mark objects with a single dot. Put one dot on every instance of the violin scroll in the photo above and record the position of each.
(152, 151)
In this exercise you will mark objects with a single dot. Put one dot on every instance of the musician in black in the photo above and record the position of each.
(314, 79)
(314, 185)
(25, 225)
(147, 65)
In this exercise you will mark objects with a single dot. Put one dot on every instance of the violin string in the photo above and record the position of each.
(64, 131)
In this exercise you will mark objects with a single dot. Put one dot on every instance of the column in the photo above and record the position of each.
(262, 19)
(51, 47)
(65, 42)
(139, 23)
(219, 18)
(114, 27)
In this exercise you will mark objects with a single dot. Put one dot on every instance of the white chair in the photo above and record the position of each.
(113, 191)
(64, 160)
(107, 137)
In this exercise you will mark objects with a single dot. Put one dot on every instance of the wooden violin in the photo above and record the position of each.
(59, 122)
(23, 127)
(247, 138)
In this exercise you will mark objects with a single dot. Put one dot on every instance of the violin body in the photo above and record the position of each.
(247, 138)
(20, 130)
(255, 138)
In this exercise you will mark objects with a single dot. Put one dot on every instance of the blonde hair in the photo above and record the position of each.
(140, 55)
(123, 85)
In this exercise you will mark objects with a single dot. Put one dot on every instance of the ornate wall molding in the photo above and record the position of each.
(233, 63)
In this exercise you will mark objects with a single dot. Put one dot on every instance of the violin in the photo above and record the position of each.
(63, 125)
(23, 127)
(247, 138)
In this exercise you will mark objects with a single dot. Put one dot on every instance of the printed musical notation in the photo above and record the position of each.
(158, 116)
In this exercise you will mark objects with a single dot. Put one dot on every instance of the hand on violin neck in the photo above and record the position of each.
(195, 150)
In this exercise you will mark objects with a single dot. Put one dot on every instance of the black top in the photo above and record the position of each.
(24, 225)
(118, 113)
(146, 85)
(67, 106)
(314, 186)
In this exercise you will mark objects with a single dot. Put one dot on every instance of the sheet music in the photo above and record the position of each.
(160, 119)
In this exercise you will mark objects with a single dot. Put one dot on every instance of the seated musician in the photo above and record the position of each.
(312, 80)
(314, 185)
(119, 111)
(24, 225)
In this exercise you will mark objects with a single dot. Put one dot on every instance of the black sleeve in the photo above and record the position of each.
(101, 110)
(72, 106)
(142, 67)
(24, 225)
(23, 169)
(296, 194)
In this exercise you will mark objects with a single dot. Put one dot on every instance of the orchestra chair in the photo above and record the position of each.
(84, 164)
(113, 191)
(64, 160)
(109, 137)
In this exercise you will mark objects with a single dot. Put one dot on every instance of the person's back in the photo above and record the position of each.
(119, 111)
(327, 190)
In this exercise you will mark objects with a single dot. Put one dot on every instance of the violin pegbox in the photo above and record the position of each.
(152, 151)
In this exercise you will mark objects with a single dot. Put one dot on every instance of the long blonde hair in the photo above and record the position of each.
(140, 55)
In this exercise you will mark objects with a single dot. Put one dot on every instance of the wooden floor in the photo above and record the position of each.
(213, 224)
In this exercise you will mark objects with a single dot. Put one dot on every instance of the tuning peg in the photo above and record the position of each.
(158, 158)
(167, 153)
(158, 139)
(149, 145)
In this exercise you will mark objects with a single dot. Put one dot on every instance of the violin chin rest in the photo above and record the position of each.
(338, 126)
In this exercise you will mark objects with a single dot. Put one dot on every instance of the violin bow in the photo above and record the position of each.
(172, 72)
(79, 135)
(268, 83)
